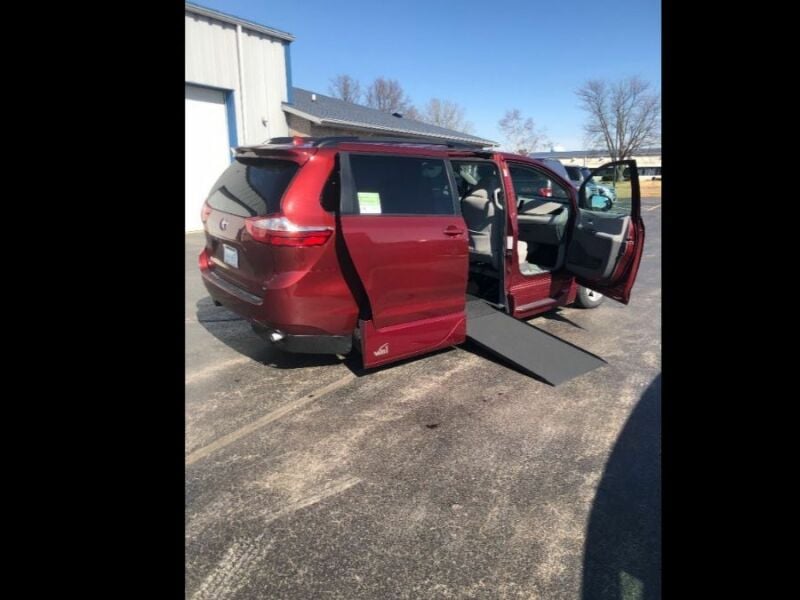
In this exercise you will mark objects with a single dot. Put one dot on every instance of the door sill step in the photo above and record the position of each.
(537, 304)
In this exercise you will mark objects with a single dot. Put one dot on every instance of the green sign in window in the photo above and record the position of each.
(369, 203)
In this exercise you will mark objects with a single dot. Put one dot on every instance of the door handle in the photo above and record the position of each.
(453, 230)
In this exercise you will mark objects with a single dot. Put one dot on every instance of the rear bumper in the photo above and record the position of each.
(303, 329)
(209, 277)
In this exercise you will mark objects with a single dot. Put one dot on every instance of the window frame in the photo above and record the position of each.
(348, 204)
(495, 163)
(549, 176)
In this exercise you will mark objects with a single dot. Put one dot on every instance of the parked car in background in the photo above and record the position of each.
(557, 166)
(577, 175)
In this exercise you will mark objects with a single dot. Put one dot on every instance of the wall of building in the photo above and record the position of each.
(212, 58)
(298, 126)
(642, 161)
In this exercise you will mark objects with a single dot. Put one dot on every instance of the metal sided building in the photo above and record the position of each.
(648, 159)
(237, 76)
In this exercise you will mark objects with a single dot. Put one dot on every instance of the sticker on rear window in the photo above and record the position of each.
(369, 203)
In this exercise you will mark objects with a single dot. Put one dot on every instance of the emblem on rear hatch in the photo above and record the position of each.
(223, 224)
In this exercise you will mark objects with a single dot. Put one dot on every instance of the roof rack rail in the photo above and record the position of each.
(324, 142)
(328, 141)
(335, 140)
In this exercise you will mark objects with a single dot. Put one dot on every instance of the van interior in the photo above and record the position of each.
(542, 216)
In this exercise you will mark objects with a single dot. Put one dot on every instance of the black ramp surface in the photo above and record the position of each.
(528, 347)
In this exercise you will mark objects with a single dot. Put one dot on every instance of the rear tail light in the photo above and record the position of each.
(202, 260)
(280, 231)
(546, 192)
(205, 212)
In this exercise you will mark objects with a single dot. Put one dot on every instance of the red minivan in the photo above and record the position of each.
(326, 243)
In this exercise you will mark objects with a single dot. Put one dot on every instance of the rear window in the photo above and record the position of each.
(252, 187)
(401, 186)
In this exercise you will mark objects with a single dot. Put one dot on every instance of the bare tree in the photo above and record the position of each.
(521, 134)
(412, 113)
(624, 116)
(345, 88)
(445, 113)
(387, 95)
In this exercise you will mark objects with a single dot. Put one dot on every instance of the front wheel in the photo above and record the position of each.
(587, 298)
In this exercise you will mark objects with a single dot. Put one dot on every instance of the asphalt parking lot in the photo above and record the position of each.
(448, 476)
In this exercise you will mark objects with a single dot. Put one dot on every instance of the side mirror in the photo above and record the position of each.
(598, 202)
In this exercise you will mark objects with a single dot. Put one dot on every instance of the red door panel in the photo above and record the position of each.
(412, 267)
(390, 344)
(414, 272)
(627, 267)
(529, 183)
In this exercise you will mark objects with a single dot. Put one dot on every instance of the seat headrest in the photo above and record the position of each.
(480, 193)
(487, 185)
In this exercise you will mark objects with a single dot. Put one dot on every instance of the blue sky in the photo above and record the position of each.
(487, 56)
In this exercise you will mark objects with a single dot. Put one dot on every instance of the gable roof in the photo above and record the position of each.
(334, 112)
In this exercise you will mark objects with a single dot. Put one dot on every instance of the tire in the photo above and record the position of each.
(587, 298)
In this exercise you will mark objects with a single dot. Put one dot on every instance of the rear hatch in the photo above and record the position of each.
(250, 187)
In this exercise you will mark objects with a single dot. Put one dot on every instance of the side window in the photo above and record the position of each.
(396, 185)
(532, 184)
(473, 175)
(608, 190)
(332, 190)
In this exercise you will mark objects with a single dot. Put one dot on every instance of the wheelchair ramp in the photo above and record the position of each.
(527, 347)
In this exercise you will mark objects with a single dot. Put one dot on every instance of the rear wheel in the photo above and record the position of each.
(587, 298)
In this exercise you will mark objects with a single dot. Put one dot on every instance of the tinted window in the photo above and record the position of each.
(252, 187)
(532, 184)
(401, 185)
(574, 173)
(331, 191)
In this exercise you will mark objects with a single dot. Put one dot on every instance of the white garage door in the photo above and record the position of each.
(207, 147)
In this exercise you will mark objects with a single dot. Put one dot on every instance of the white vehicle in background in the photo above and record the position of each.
(651, 173)
(577, 175)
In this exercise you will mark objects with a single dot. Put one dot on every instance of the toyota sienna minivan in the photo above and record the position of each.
(325, 244)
